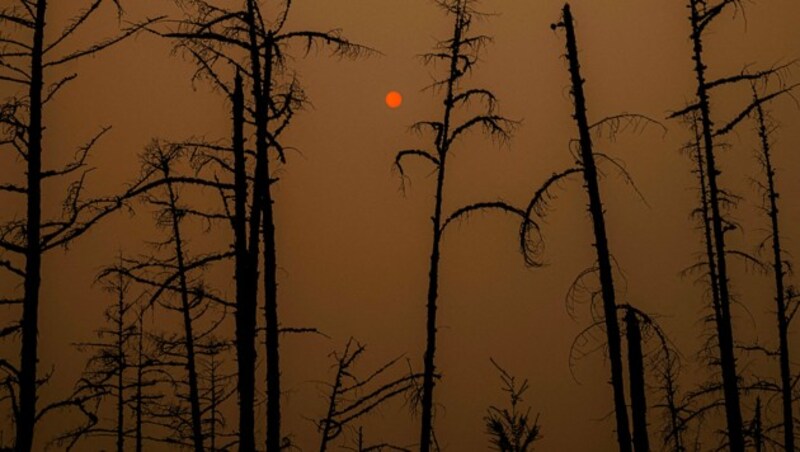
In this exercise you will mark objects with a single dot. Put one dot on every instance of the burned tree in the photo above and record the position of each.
(215, 389)
(715, 199)
(256, 43)
(108, 370)
(120, 370)
(786, 303)
(173, 284)
(459, 54)
(31, 50)
(588, 169)
(350, 398)
(587, 160)
(636, 366)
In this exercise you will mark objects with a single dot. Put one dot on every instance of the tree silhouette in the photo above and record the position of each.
(352, 397)
(786, 302)
(459, 53)
(511, 430)
(633, 334)
(702, 15)
(588, 168)
(27, 58)
(107, 371)
(173, 285)
(216, 388)
(120, 370)
(255, 42)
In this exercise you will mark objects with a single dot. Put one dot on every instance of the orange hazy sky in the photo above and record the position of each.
(353, 247)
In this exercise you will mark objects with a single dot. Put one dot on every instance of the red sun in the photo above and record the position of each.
(393, 99)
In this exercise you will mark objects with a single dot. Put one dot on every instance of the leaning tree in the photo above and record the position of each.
(587, 165)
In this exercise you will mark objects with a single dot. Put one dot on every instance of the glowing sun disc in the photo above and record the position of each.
(393, 99)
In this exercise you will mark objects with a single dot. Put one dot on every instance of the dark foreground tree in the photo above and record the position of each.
(30, 51)
(351, 397)
(716, 200)
(458, 54)
(254, 41)
(588, 168)
(512, 429)
(638, 390)
(786, 303)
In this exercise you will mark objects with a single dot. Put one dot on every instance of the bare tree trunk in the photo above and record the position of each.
(641, 441)
(246, 312)
(121, 364)
(758, 433)
(601, 241)
(191, 365)
(442, 145)
(725, 339)
(33, 251)
(272, 325)
(705, 212)
(272, 328)
(429, 369)
(780, 289)
(214, 402)
(139, 382)
(244, 271)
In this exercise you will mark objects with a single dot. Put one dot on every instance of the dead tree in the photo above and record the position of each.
(786, 307)
(216, 388)
(30, 50)
(702, 15)
(173, 286)
(171, 218)
(149, 377)
(119, 378)
(512, 430)
(350, 398)
(459, 54)
(633, 334)
(108, 370)
(675, 411)
(604, 268)
(254, 42)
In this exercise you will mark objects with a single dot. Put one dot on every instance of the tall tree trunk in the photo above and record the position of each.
(641, 441)
(430, 328)
(33, 251)
(191, 364)
(725, 339)
(271, 327)
(245, 314)
(601, 241)
(780, 289)
(429, 366)
(705, 216)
